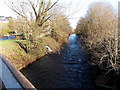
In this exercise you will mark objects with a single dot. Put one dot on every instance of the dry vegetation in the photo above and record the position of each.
(99, 31)
(40, 26)
(3, 28)
(15, 54)
(39, 21)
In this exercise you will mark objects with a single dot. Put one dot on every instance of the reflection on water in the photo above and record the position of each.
(70, 69)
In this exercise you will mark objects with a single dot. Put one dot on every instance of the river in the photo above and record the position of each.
(69, 69)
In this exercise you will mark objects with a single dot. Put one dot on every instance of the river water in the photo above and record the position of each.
(69, 69)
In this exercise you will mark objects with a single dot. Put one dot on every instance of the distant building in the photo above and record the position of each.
(4, 19)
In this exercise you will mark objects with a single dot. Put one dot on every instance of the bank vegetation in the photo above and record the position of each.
(42, 24)
(99, 32)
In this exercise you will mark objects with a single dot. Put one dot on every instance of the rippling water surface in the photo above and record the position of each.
(70, 69)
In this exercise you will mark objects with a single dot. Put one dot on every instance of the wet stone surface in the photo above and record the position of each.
(70, 69)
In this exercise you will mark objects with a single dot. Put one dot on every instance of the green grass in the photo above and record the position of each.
(108, 87)
(17, 55)
(14, 53)
(4, 43)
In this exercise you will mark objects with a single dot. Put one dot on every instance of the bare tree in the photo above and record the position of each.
(60, 27)
(33, 16)
(39, 9)
(100, 31)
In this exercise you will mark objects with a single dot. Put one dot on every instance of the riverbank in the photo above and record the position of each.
(12, 51)
(103, 78)
(69, 69)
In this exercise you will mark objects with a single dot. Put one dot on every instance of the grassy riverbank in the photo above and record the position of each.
(11, 50)
(36, 35)
(14, 53)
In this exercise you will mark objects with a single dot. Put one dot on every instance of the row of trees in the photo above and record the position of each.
(37, 18)
(99, 30)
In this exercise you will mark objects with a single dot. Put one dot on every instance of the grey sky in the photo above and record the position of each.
(74, 8)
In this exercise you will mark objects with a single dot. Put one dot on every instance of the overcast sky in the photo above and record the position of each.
(74, 9)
